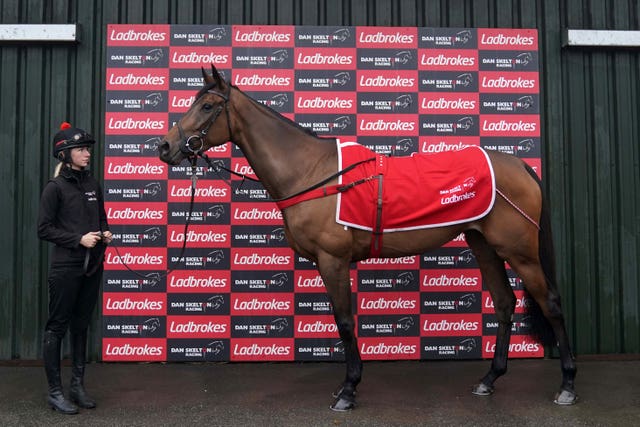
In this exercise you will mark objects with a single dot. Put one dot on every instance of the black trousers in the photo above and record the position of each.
(72, 297)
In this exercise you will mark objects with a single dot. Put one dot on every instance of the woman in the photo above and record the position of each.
(71, 216)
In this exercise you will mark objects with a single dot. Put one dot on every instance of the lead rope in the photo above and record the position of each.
(194, 180)
(523, 213)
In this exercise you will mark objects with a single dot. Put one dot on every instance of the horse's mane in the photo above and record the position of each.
(275, 113)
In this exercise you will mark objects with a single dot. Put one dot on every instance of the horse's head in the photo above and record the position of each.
(205, 125)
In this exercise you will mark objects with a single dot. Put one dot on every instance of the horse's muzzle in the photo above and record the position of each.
(164, 153)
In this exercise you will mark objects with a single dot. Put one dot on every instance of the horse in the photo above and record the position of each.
(289, 160)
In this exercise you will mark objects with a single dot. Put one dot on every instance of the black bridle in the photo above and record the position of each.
(193, 145)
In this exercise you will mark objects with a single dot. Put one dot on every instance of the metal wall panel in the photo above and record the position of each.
(590, 115)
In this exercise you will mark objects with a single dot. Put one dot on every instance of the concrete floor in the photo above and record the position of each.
(407, 393)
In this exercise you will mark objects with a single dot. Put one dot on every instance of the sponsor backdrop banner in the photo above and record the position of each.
(239, 293)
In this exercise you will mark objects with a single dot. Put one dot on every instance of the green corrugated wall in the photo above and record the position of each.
(590, 116)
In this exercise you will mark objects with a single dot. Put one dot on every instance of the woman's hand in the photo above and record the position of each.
(107, 236)
(91, 239)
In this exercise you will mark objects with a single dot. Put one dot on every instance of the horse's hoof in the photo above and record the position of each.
(341, 405)
(338, 392)
(565, 398)
(482, 390)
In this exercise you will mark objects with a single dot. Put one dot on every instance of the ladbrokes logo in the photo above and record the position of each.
(214, 191)
(522, 302)
(138, 35)
(180, 100)
(456, 103)
(137, 79)
(206, 281)
(449, 60)
(127, 213)
(451, 280)
(136, 123)
(256, 214)
(386, 348)
(128, 304)
(134, 349)
(499, 82)
(188, 57)
(199, 236)
(261, 259)
(266, 36)
(515, 125)
(271, 79)
(440, 325)
(506, 39)
(316, 102)
(441, 144)
(388, 303)
(520, 346)
(337, 59)
(318, 326)
(136, 258)
(244, 349)
(262, 304)
(399, 125)
(389, 81)
(370, 37)
(133, 168)
(391, 263)
(198, 327)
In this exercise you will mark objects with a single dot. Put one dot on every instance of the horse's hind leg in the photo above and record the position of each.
(495, 277)
(546, 296)
(335, 274)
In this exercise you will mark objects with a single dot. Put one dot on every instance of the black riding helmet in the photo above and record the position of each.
(69, 137)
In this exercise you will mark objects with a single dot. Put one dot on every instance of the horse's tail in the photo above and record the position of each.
(540, 326)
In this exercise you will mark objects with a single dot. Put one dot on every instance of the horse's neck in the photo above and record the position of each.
(285, 158)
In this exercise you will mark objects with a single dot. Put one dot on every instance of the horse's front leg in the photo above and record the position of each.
(335, 274)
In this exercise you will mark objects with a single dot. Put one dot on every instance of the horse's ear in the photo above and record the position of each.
(217, 78)
(208, 78)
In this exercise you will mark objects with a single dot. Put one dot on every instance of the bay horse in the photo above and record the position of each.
(289, 160)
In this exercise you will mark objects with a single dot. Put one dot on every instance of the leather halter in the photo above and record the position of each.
(193, 145)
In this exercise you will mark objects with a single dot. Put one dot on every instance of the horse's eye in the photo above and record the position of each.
(207, 107)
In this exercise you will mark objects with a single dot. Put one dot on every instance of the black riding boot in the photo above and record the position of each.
(51, 356)
(78, 353)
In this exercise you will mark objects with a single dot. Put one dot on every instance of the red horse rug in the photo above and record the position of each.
(386, 194)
